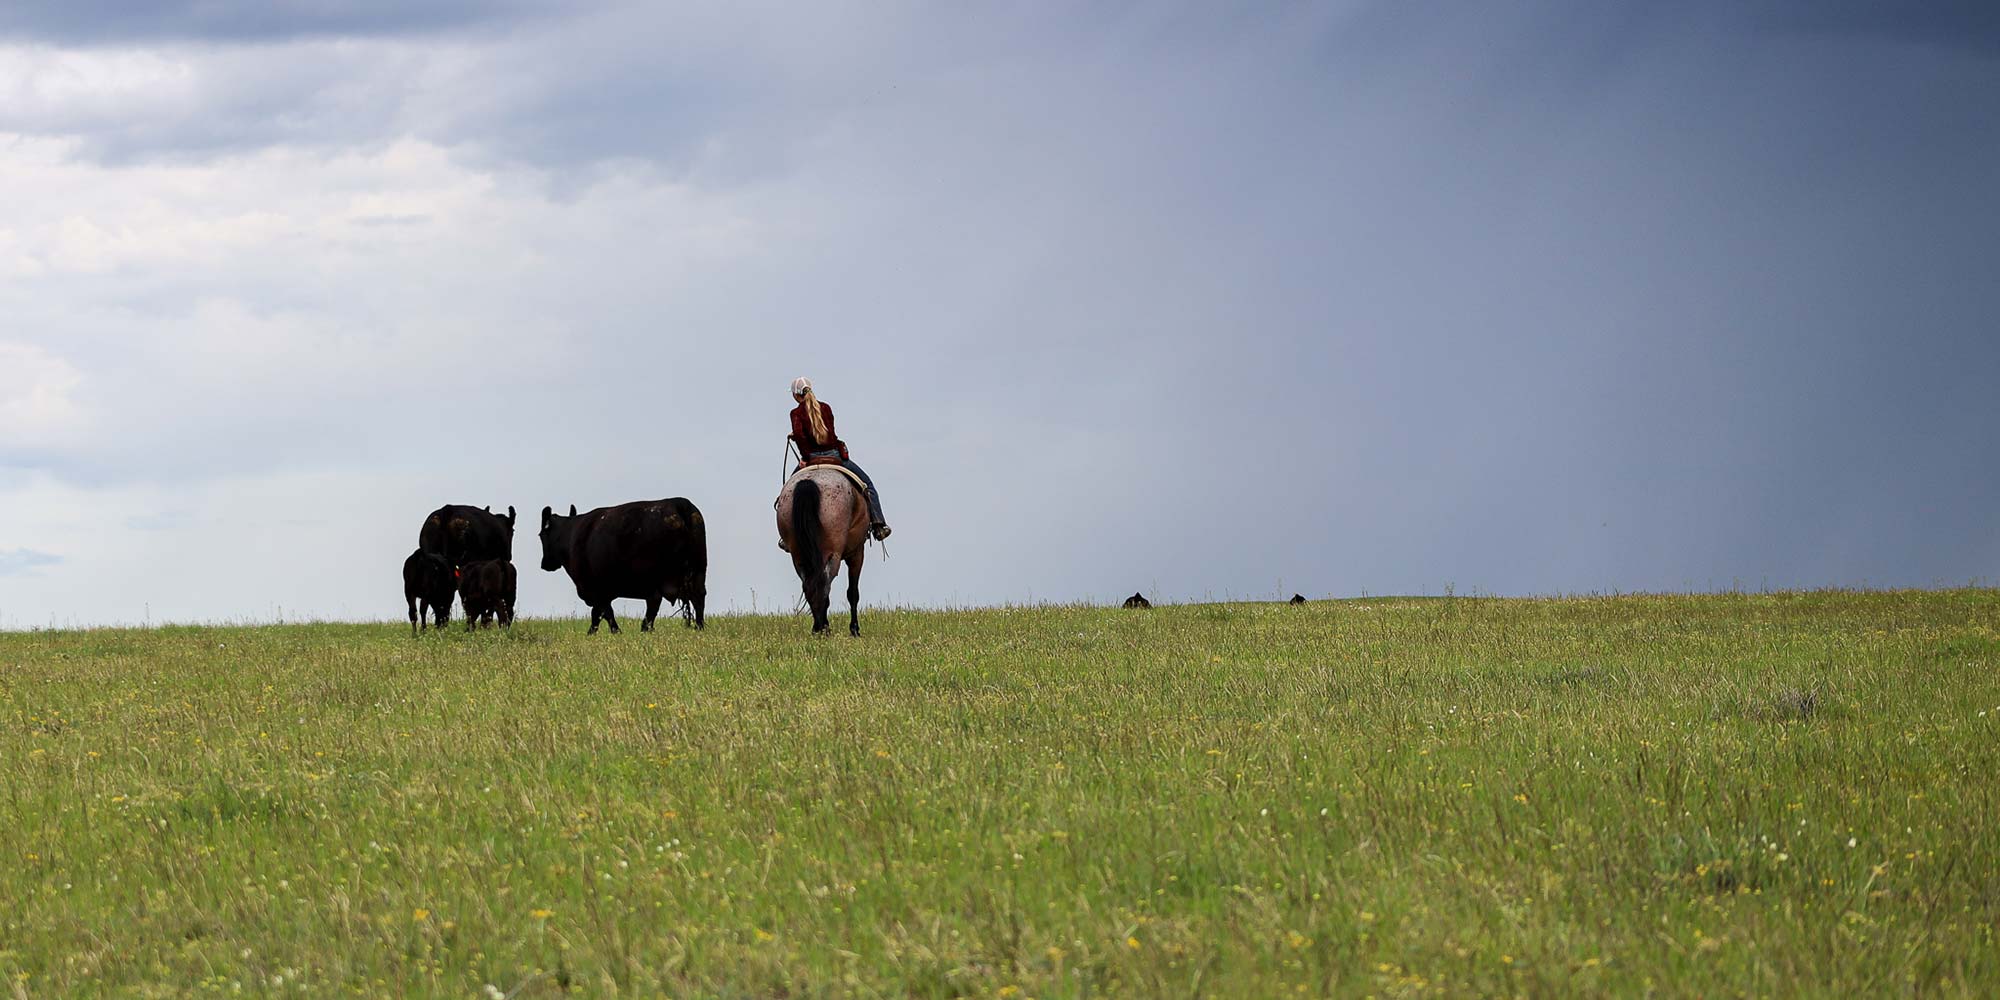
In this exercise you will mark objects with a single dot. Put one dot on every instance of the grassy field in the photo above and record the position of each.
(1784, 794)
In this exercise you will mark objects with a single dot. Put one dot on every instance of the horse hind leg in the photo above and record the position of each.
(826, 592)
(818, 587)
(819, 601)
(854, 594)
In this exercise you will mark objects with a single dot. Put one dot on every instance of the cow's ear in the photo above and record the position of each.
(510, 514)
(488, 508)
(572, 510)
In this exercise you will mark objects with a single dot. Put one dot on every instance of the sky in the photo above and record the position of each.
(1209, 301)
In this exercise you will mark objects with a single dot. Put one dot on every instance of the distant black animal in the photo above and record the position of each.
(1297, 599)
(1138, 601)
(486, 590)
(651, 550)
(427, 586)
(460, 534)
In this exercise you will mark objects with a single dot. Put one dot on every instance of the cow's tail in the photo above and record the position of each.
(805, 536)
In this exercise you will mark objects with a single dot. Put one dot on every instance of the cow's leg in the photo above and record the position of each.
(507, 614)
(413, 614)
(471, 619)
(652, 612)
(610, 618)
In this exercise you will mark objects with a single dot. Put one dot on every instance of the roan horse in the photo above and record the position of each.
(823, 521)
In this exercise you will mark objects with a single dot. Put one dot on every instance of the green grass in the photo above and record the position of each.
(1783, 794)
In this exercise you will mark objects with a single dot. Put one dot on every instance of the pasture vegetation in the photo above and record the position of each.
(1781, 794)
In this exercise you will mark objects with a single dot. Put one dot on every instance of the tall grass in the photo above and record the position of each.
(1781, 794)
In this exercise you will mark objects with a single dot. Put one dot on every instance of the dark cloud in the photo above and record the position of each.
(1972, 25)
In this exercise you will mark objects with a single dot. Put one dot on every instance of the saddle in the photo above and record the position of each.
(829, 463)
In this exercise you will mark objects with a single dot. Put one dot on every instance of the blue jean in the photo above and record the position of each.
(874, 499)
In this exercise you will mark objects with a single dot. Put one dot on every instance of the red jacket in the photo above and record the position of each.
(802, 434)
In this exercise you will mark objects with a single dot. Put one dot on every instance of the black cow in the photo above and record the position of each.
(427, 582)
(1138, 601)
(459, 534)
(1297, 599)
(486, 591)
(652, 550)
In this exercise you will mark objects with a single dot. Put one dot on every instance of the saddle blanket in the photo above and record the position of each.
(843, 470)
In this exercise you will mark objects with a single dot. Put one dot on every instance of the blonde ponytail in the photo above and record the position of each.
(818, 422)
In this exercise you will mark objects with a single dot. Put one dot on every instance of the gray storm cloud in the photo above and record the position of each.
(1329, 298)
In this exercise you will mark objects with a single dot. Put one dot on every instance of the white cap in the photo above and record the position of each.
(801, 385)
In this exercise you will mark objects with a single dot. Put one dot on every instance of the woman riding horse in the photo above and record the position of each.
(812, 431)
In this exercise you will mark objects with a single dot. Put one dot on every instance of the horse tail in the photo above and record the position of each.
(805, 532)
